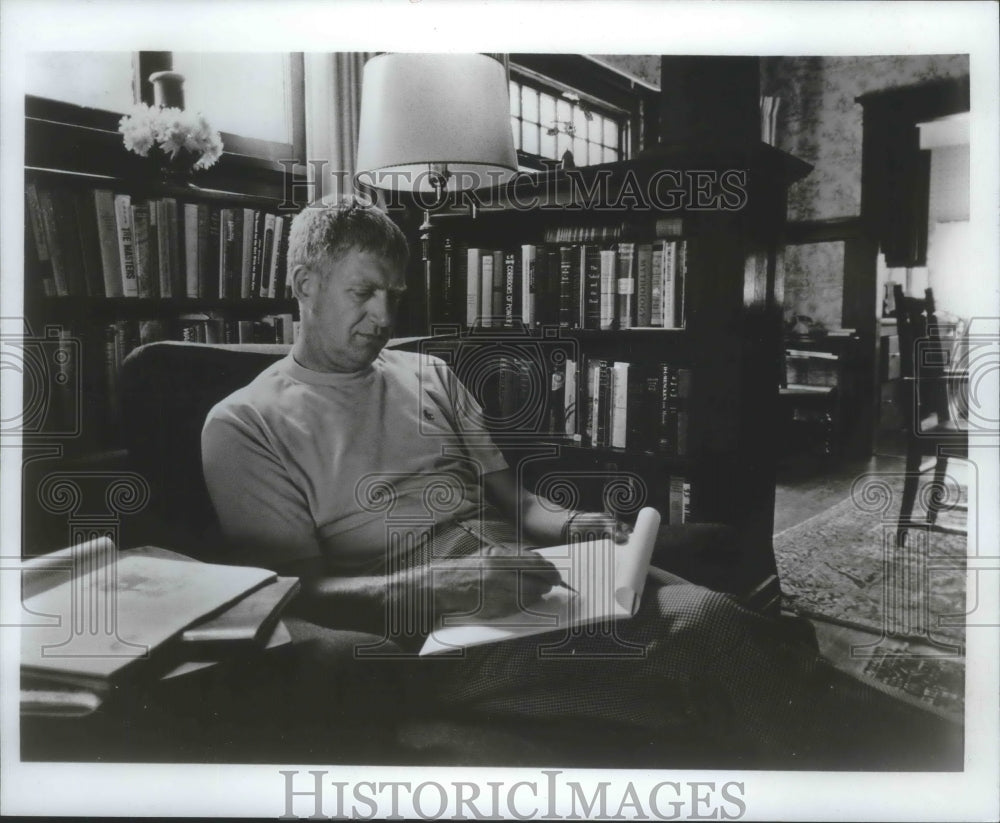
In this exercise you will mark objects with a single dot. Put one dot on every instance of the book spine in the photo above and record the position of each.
(609, 289)
(90, 243)
(656, 288)
(571, 394)
(555, 410)
(164, 283)
(486, 291)
(249, 275)
(190, 250)
(107, 233)
(625, 285)
(510, 308)
(42, 243)
(175, 234)
(669, 271)
(567, 309)
(619, 405)
(153, 252)
(529, 283)
(46, 199)
(591, 277)
(605, 392)
(67, 233)
(498, 288)
(638, 403)
(208, 267)
(678, 501)
(140, 239)
(460, 272)
(473, 280)
(644, 284)
(126, 249)
(681, 276)
(283, 287)
(265, 255)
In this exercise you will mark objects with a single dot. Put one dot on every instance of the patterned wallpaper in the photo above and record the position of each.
(820, 122)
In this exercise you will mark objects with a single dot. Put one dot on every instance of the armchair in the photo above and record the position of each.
(167, 390)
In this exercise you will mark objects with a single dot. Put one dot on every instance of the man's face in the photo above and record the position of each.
(350, 311)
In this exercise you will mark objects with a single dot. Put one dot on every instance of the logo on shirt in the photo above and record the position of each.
(428, 414)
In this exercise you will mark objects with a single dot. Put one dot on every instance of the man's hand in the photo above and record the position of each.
(499, 580)
(595, 525)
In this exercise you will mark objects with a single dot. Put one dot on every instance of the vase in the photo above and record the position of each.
(177, 170)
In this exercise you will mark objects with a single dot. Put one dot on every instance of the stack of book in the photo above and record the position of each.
(591, 284)
(101, 243)
(95, 619)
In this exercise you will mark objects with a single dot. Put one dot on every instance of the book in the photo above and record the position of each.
(656, 287)
(144, 260)
(569, 305)
(57, 251)
(174, 225)
(195, 227)
(39, 234)
(473, 282)
(570, 392)
(90, 243)
(230, 251)
(131, 602)
(644, 284)
(250, 620)
(590, 286)
(607, 581)
(164, 253)
(126, 249)
(619, 405)
(678, 500)
(273, 256)
(208, 266)
(264, 259)
(555, 406)
(511, 289)
(609, 289)
(625, 286)
(498, 289)
(245, 273)
(486, 291)
(529, 257)
(107, 235)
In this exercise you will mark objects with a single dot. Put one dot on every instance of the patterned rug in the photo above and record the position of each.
(843, 565)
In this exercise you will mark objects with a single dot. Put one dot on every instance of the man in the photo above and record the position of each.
(369, 474)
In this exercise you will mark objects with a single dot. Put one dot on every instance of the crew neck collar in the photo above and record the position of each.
(323, 378)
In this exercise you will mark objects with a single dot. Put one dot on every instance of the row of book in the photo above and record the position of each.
(99, 243)
(122, 336)
(595, 286)
(596, 402)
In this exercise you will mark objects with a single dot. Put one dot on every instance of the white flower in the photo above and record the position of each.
(172, 130)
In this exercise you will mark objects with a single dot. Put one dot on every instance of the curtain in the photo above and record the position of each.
(333, 112)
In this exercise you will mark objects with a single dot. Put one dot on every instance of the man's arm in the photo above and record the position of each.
(542, 521)
(493, 584)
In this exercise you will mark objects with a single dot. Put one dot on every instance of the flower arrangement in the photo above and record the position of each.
(179, 137)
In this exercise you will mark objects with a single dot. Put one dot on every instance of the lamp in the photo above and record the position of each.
(434, 123)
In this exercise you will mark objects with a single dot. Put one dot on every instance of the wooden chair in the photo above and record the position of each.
(927, 388)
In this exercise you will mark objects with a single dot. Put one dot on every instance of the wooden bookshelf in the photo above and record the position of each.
(730, 340)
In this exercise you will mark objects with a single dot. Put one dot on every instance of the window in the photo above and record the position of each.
(100, 80)
(256, 99)
(245, 94)
(548, 120)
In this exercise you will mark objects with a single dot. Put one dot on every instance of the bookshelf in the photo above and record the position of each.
(206, 265)
(680, 414)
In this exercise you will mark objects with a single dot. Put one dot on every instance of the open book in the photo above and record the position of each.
(608, 579)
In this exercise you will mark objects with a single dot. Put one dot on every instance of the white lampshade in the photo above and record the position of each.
(424, 110)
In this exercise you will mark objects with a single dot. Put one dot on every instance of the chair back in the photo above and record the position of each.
(923, 358)
(168, 388)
